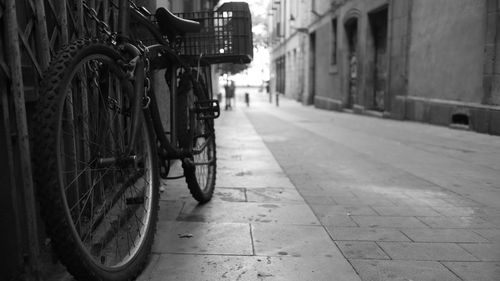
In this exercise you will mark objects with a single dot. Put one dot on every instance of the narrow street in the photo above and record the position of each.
(307, 194)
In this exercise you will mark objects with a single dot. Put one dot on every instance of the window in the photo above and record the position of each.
(333, 57)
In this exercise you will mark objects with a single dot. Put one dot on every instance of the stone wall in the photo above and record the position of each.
(446, 50)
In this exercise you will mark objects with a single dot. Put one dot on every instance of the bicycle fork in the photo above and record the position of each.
(135, 71)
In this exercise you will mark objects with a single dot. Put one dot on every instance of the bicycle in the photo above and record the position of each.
(100, 141)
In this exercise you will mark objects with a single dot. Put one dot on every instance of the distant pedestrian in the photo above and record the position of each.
(229, 89)
(247, 99)
(268, 91)
(233, 93)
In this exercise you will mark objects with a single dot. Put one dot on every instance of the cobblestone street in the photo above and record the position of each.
(306, 194)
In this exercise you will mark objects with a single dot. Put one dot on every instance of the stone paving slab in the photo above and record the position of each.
(310, 189)
(262, 165)
(366, 234)
(467, 211)
(247, 268)
(475, 271)
(405, 211)
(426, 251)
(366, 201)
(169, 210)
(337, 220)
(492, 219)
(325, 210)
(462, 202)
(444, 235)
(492, 235)
(318, 199)
(362, 250)
(150, 268)
(456, 222)
(268, 212)
(255, 181)
(273, 194)
(388, 222)
(422, 202)
(484, 252)
(390, 270)
(201, 238)
(293, 240)
(230, 195)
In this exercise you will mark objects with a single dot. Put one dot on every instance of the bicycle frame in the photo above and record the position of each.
(160, 56)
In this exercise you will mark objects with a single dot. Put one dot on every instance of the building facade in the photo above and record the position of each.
(428, 61)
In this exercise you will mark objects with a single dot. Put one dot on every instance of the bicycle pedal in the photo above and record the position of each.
(207, 109)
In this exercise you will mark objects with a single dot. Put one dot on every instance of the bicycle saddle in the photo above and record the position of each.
(170, 23)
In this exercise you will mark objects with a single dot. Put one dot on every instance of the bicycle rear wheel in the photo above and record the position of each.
(199, 137)
(98, 187)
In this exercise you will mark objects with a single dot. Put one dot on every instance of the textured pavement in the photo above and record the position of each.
(257, 227)
(307, 194)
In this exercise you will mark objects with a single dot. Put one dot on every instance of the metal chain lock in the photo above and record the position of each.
(102, 26)
(147, 85)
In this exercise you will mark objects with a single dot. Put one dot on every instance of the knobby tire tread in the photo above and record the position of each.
(46, 172)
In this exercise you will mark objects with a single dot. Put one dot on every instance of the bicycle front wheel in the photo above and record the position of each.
(98, 185)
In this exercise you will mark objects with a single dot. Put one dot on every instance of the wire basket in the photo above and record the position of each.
(226, 36)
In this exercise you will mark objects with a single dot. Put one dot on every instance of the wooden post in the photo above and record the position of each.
(62, 13)
(16, 210)
(79, 12)
(105, 11)
(17, 92)
(42, 36)
(93, 28)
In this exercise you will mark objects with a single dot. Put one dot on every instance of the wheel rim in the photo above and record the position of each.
(204, 160)
(106, 186)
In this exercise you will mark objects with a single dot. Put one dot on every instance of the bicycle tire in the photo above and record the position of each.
(107, 233)
(200, 177)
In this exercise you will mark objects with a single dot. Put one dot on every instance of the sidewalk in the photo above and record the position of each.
(257, 227)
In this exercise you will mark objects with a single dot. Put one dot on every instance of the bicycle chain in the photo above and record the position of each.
(102, 26)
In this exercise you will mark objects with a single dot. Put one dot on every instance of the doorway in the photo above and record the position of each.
(351, 28)
(312, 68)
(378, 22)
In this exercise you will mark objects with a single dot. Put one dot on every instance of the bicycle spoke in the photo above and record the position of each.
(86, 199)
